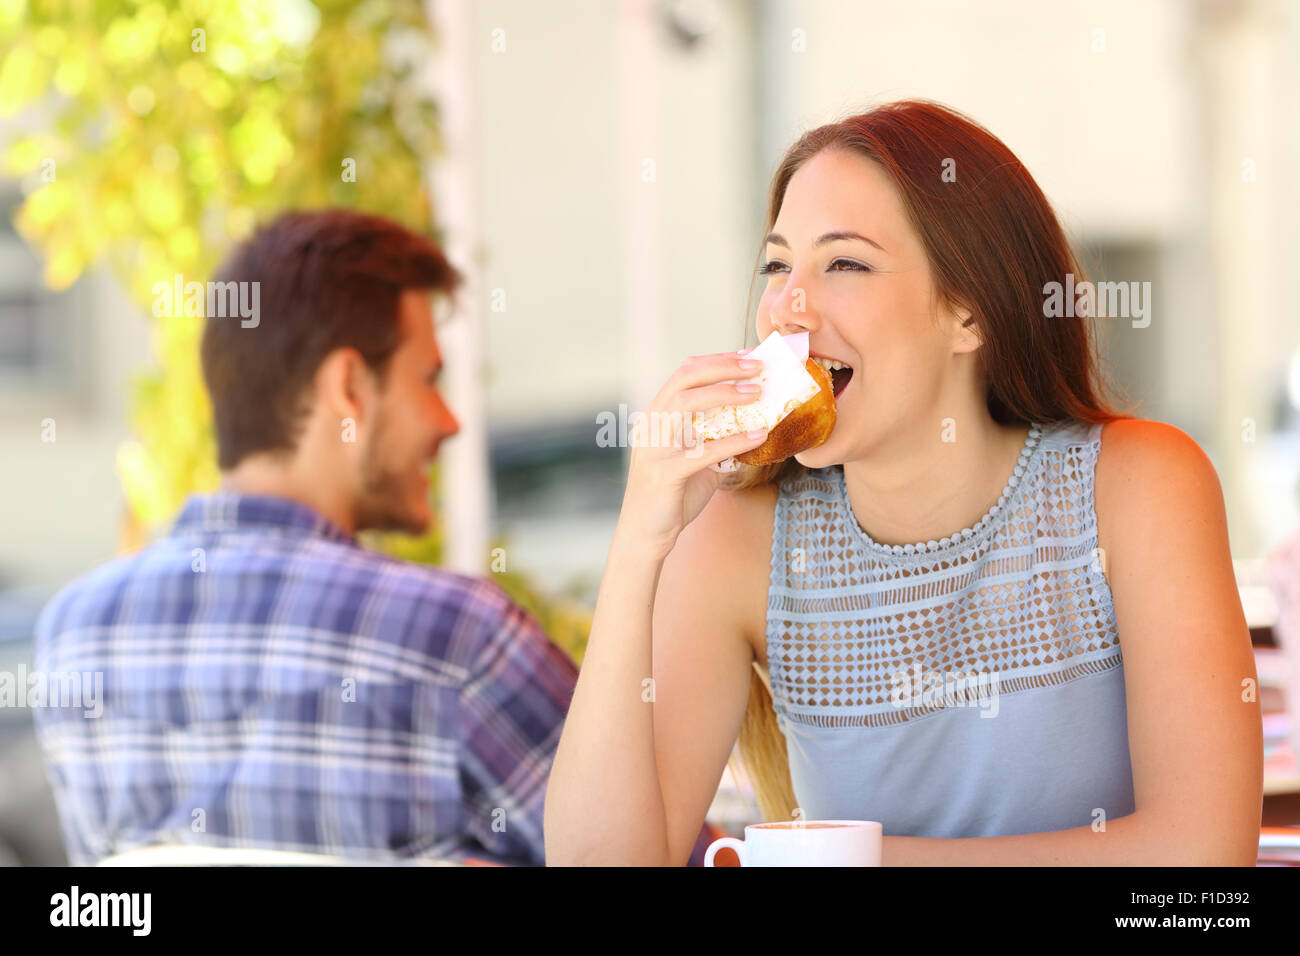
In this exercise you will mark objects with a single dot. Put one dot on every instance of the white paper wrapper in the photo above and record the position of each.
(786, 385)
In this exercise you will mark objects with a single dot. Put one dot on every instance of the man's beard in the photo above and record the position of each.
(385, 490)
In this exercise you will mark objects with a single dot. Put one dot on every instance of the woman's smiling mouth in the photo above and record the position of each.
(840, 372)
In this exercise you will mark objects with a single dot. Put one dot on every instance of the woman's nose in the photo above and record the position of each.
(791, 312)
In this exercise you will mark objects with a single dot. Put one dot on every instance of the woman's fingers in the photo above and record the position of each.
(709, 370)
(702, 382)
(665, 486)
(711, 396)
(703, 454)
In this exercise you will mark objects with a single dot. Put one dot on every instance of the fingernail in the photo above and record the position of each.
(758, 434)
(749, 388)
(749, 363)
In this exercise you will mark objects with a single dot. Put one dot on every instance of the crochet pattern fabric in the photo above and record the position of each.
(961, 687)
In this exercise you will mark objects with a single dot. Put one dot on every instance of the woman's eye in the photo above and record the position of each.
(837, 265)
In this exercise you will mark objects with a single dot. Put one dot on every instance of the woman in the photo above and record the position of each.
(977, 513)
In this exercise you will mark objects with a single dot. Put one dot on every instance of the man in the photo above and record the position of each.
(267, 682)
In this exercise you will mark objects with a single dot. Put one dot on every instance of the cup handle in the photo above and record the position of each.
(720, 843)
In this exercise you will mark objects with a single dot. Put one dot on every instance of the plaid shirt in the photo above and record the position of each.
(269, 683)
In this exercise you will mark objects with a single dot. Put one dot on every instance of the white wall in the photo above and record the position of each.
(62, 502)
(554, 186)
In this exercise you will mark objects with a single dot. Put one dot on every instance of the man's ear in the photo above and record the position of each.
(345, 387)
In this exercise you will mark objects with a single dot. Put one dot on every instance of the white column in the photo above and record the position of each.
(777, 80)
(1240, 57)
(638, 113)
(463, 460)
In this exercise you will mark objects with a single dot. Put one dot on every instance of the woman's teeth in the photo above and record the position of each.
(829, 364)
(840, 373)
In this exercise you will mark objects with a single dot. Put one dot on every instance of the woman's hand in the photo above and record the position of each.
(669, 479)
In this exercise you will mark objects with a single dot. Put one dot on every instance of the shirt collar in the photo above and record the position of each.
(230, 511)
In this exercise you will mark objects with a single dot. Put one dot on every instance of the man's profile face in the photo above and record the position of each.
(410, 423)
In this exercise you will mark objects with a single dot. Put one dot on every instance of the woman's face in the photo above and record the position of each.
(845, 265)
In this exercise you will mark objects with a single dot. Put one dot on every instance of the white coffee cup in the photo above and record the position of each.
(805, 843)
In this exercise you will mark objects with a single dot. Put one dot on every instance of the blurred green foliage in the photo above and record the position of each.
(162, 133)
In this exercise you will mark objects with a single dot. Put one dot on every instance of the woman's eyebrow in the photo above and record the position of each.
(778, 240)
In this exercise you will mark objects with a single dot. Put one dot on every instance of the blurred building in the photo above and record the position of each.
(621, 157)
(625, 153)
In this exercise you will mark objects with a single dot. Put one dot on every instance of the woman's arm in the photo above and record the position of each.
(603, 800)
(713, 582)
(1195, 734)
(606, 802)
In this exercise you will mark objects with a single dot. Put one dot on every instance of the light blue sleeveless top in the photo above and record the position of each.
(967, 687)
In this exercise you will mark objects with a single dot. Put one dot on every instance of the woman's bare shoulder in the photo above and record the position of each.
(730, 542)
(736, 522)
(1132, 447)
(1145, 467)
(751, 506)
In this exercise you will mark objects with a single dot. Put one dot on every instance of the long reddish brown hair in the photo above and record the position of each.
(993, 243)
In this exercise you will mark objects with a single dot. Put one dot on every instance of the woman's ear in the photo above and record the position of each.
(967, 336)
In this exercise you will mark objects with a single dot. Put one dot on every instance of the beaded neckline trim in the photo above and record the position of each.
(1027, 451)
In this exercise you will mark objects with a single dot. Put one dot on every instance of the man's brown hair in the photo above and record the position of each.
(326, 280)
